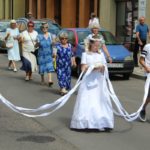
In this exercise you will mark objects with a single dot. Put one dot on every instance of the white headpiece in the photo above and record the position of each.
(94, 25)
(92, 38)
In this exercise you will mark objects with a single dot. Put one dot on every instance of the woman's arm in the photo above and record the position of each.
(73, 62)
(107, 53)
(8, 34)
(84, 67)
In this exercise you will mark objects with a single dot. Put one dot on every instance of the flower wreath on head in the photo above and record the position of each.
(93, 39)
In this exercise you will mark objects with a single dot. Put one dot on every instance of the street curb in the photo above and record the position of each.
(138, 76)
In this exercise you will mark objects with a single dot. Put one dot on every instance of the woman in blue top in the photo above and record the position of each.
(64, 61)
(45, 54)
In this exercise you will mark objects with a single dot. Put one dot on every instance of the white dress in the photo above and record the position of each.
(13, 53)
(94, 21)
(28, 59)
(93, 108)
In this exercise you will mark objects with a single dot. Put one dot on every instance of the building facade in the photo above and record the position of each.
(118, 16)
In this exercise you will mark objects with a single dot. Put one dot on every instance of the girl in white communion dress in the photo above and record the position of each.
(93, 108)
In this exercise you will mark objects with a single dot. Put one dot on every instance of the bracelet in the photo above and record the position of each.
(108, 57)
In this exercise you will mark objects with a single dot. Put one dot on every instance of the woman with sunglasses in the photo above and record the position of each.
(28, 40)
(64, 61)
(45, 54)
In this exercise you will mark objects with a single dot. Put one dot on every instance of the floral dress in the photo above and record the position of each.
(63, 63)
(45, 60)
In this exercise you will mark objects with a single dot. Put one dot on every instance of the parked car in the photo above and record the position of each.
(54, 28)
(4, 24)
(122, 58)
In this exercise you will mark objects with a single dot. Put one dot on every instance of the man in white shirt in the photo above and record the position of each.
(145, 62)
(93, 20)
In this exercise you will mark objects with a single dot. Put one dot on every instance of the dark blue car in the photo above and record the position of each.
(122, 58)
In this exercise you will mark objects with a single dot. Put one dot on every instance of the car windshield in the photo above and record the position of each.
(4, 26)
(53, 27)
(37, 24)
(52, 24)
(109, 38)
(82, 35)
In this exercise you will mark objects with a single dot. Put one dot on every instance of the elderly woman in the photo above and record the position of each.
(93, 108)
(45, 54)
(64, 61)
(12, 37)
(95, 32)
(28, 39)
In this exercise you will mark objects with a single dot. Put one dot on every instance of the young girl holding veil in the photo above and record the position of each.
(93, 108)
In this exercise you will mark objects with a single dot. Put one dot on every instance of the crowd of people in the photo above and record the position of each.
(93, 108)
(36, 54)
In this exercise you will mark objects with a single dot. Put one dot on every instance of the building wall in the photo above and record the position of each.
(9, 10)
(18, 8)
(84, 11)
(68, 11)
(1, 9)
(148, 12)
(107, 15)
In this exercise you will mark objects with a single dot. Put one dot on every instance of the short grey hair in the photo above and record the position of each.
(63, 35)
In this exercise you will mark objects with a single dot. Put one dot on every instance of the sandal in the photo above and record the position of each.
(63, 91)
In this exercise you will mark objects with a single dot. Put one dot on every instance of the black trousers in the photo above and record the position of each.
(136, 50)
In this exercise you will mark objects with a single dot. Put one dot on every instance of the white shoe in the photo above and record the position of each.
(9, 68)
(63, 91)
(27, 78)
(15, 70)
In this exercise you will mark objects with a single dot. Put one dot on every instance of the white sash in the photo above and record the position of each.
(48, 109)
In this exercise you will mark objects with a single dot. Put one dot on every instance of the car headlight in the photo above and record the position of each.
(129, 58)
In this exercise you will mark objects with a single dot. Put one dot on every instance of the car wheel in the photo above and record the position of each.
(126, 76)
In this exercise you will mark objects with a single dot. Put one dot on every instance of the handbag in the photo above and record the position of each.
(3, 44)
(9, 43)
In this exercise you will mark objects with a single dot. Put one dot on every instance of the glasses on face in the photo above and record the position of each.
(64, 38)
(31, 26)
(45, 27)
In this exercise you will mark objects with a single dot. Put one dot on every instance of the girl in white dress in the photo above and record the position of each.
(12, 37)
(93, 108)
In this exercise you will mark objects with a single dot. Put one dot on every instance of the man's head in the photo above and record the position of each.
(142, 20)
(93, 15)
(29, 15)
